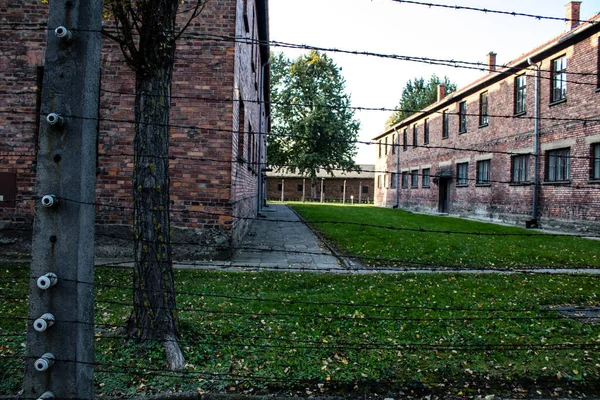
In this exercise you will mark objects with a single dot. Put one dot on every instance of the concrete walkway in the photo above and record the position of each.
(280, 240)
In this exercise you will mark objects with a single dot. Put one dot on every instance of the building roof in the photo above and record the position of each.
(516, 65)
(367, 171)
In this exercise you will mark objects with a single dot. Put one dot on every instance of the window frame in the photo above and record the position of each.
(385, 140)
(426, 177)
(595, 162)
(393, 143)
(484, 103)
(484, 172)
(405, 140)
(519, 169)
(462, 117)
(414, 179)
(462, 174)
(520, 94)
(558, 79)
(404, 180)
(393, 179)
(426, 131)
(553, 157)
(445, 125)
(415, 136)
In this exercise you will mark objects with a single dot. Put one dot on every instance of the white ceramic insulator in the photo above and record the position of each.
(47, 281)
(49, 200)
(44, 362)
(63, 33)
(46, 396)
(54, 119)
(44, 322)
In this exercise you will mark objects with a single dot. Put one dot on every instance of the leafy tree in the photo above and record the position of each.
(313, 126)
(418, 94)
(147, 34)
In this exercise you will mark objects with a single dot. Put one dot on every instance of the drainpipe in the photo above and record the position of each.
(397, 146)
(536, 147)
(260, 140)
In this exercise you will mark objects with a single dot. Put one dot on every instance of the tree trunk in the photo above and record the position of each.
(154, 292)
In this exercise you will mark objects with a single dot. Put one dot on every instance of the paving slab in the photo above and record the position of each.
(281, 240)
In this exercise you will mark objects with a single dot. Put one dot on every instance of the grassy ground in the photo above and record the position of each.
(313, 334)
(397, 247)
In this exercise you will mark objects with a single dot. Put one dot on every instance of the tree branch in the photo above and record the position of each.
(197, 10)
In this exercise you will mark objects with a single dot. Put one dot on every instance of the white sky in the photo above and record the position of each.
(389, 27)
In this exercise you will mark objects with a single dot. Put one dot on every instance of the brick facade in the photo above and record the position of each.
(568, 194)
(216, 114)
(292, 187)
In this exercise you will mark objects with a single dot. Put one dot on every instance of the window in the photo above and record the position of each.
(404, 180)
(520, 169)
(394, 143)
(483, 172)
(379, 147)
(462, 174)
(414, 178)
(379, 181)
(394, 179)
(596, 161)
(445, 124)
(385, 181)
(462, 117)
(415, 136)
(559, 79)
(426, 132)
(405, 140)
(520, 92)
(365, 190)
(597, 62)
(386, 145)
(300, 187)
(557, 165)
(425, 173)
(483, 109)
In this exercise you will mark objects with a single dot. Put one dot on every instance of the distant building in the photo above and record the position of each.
(521, 144)
(220, 101)
(354, 186)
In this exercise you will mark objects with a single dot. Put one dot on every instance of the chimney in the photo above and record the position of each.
(491, 61)
(441, 92)
(573, 8)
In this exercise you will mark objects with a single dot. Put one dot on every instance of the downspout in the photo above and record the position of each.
(260, 140)
(536, 147)
(397, 205)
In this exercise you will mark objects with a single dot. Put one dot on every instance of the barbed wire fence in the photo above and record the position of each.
(288, 312)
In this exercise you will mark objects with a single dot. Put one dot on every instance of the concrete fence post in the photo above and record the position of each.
(60, 333)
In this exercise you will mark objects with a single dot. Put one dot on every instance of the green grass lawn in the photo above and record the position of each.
(306, 333)
(396, 247)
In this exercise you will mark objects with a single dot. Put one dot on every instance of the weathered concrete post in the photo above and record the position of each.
(60, 333)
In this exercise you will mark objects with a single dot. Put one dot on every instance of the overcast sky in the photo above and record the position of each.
(391, 27)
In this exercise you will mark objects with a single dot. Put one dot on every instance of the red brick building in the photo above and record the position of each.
(474, 152)
(349, 187)
(220, 97)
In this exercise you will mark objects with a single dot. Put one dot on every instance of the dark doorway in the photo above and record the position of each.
(444, 200)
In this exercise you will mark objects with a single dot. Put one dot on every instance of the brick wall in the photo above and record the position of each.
(572, 204)
(212, 184)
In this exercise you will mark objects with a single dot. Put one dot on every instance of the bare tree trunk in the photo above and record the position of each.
(154, 294)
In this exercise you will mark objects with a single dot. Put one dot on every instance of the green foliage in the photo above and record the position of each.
(378, 246)
(313, 128)
(418, 94)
